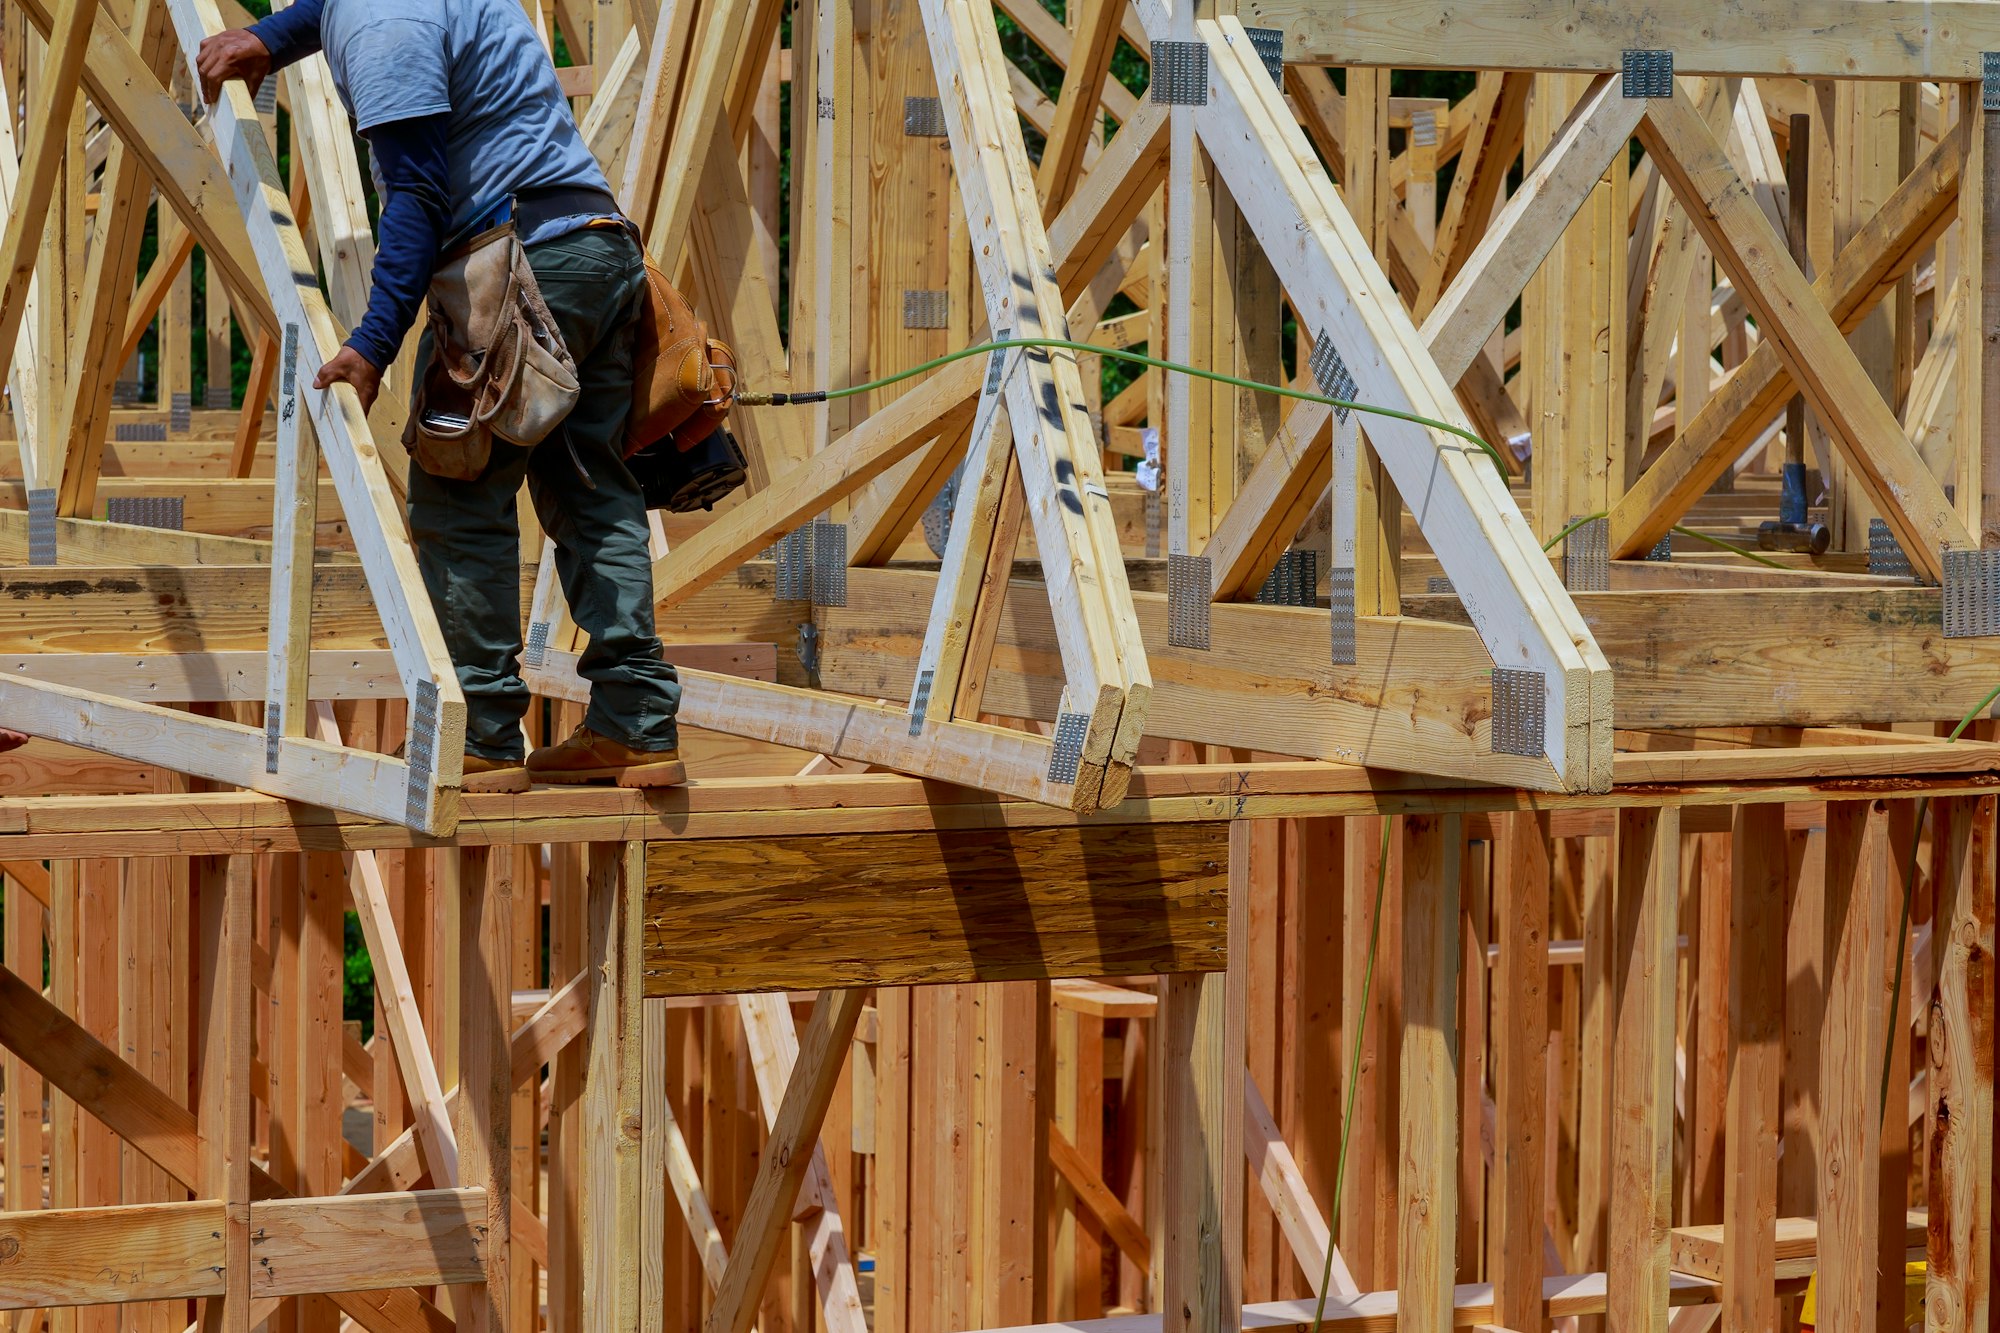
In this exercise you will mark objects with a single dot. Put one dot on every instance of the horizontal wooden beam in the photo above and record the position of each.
(1845, 39)
(1419, 698)
(356, 673)
(174, 1251)
(921, 908)
(1704, 782)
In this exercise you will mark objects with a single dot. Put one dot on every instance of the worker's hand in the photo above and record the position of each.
(233, 54)
(350, 367)
(11, 739)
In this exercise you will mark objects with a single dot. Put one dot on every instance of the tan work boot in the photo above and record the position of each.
(589, 757)
(494, 775)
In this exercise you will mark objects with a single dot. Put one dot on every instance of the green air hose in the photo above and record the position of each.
(1256, 386)
(1745, 552)
(1137, 358)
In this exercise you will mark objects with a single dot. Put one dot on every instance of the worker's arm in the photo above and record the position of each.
(251, 54)
(410, 159)
(290, 34)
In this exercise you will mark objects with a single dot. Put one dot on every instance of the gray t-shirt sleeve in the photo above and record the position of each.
(396, 68)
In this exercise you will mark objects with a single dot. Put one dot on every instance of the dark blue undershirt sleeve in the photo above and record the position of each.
(290, 34)
(416, 216)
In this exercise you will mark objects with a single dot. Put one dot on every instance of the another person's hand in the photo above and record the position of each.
(350, 367)
(11, 739)
(236, 53)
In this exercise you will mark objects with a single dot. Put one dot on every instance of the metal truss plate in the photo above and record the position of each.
(1649, 73)
(130, 432)
(274, 730)
(1662, 550)
(794, 559)
(1437, 583)
(1520, 712)
(1293, 581)
(996, 364)
(1330, 372)
(937, 514)
(926, 309)
(829, 563)
(147, 511)
(1190, 586)
(1971, 594)
(538, 643)
(218, 398)
(1340, 601)
(42, 527)
(180, 413)
(1587, 557)
(1269, 44)
(808, 650)
(1153, 507)
(267, 97)
(1424, 129)
(124, 392)
(1067, 755)
(920, 701)
(1989, 87)
(1180, 73)
(289, 362)
(1886, 556)
(420, 751)
(923, 118)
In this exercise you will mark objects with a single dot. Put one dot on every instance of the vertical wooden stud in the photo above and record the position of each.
(1201, 1031)
(1520, 1079)
(1756, 1031)
(225, 888)
(1854, 1292)
(485, 1160)
(1427, 1267)
(1959, 1282)
(1644, 961)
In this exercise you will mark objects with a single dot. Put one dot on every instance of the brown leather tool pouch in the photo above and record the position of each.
(683, 381)
(498, 367)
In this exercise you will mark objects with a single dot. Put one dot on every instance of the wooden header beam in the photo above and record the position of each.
(1848, 39)
(1706, 783)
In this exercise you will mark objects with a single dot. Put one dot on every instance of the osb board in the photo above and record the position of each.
(944, 906)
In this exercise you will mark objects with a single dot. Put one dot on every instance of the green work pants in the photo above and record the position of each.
(469, 540)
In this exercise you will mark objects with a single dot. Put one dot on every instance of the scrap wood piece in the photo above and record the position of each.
(1696, 166)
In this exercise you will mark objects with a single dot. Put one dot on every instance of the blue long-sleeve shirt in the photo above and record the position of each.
(290, 34)
(412, 172)
(456, 122)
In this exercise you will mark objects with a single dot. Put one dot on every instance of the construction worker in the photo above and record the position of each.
(464, 120)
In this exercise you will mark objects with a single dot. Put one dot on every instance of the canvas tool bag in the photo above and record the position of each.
(683, 381)
(498, 367)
